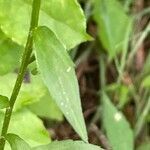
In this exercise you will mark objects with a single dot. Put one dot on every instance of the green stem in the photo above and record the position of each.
(121, 67)
(102, 78)
(25, 61)
(102, 73)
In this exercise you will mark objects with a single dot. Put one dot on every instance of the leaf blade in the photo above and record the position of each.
(68, 145)
(59, 76)
(113, 24)
(10, 54)
(116, 126)
(16, 142)
(27, 126)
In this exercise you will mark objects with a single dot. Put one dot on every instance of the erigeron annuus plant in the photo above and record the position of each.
(56, 26)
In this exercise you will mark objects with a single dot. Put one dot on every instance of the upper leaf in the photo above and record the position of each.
(58, 74)
(10, 54)
(117, 128)
(113, 25)
(60, 16)
(17, 143)
(68, 145)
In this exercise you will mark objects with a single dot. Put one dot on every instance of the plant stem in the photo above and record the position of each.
(25, 61)
(121, 67)
(102, 66)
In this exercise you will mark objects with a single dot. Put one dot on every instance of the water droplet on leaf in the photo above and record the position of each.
(118, 116)
(68, 69)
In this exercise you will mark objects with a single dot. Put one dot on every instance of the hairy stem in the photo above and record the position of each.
(25, 61)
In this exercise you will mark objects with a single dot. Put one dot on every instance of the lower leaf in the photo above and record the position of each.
(16, 142)
(68, 145)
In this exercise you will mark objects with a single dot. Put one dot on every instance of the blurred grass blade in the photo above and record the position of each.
(117, 128)
(144, 146)
(145, 33)
(112, 24)
(57, 71)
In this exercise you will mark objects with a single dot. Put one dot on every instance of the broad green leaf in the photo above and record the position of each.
(58, 74)
(73, 23)
(117, 128)
(10, 54)
(46, 108)
(4, 102)
(146, 82)
(28, 127)
(16, 142)
(68, 145)
(113, 25)
(144, 146)
(31, 91)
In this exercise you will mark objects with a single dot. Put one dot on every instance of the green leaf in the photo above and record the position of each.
(10, 54)
(58, 74)
(27, 126)
(112, 25)
(68, 145)
(16, 142)
(146, 82)
(144, 146)
(122, 92)
(4, 102)
(73, 23)
(117, 128)
(31, 91)
(46, 108)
